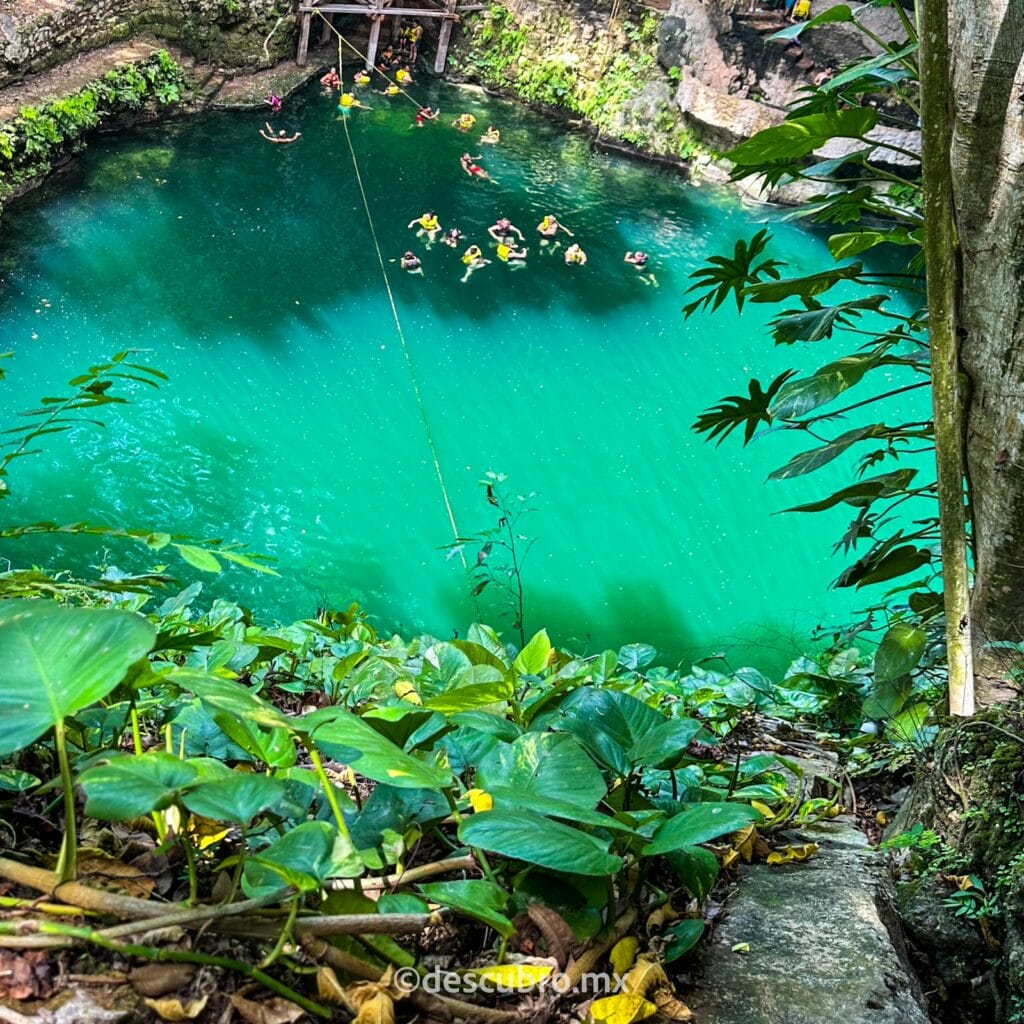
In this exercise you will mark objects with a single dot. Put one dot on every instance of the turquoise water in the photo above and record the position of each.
(247, 274)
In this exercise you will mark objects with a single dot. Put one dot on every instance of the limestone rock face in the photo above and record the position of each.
(37, 35)
(720, 119)
(819, 952)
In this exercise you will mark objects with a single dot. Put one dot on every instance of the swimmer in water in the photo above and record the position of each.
(275, 102)
(640, 260)
(474, 259)
(503, 229)
(428, 225)
(464, 122)
(492, 136)
(472, 168)
(331, 80)
(452, 237)
(390, 90)
(549, 228)
(281, 137)
(347, 101)
(403, 76)
(511, 255)
(574, 254)
(425, 114)
(362, 77)
(411, 262)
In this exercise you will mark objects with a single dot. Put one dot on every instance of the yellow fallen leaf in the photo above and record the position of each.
(881, 818)
(378, 1009)
(328, 988)
(729, 858)
(405, 690)
(625, 1008)
(480, 800)
(105, 872)
(741, 947)
(174, 1009)
(665, 914)
(744, 841)
(670, 1007)
(647, 973)
(513, 977)
(762, 808)
(206, 833)
(268, 1011)
(786, 854)
(623, 953)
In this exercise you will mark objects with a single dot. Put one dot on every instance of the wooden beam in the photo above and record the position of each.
(325, 33)
(445, 37)
(371, 48)
(401, 12)
(307, 17)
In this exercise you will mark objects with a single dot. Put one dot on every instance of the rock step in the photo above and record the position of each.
(819, 950)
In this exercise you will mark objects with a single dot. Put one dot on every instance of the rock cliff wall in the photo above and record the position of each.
(37, 35)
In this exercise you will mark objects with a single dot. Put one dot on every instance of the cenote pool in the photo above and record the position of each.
(247, 274)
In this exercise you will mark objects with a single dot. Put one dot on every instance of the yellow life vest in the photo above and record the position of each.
(471, 255)
(545, 224)
(803, 8)
(392, 90)
(347, 100)
(403, 77)
(429, 223)
(503, 252)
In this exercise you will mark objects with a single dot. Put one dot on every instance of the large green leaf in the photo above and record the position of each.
(839, 13)
(806, 287)
(131, 786)
(234, 699)
(805, 394)
(303, 858)
(801, 136)
(347, 738)
(551, 807)
(899, 652)
(56, 661)
(474, 897)
(665, 744)
(700, 824)
(236, 797)
(862, 494)
(820, 321)
(533, 658)
(544, 764)
(696, 869)
(809, 461)
(853, 243)
(536, 840)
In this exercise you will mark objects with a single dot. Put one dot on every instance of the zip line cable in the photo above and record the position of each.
(405, 348)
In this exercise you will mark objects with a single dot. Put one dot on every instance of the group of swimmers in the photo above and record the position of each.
(508, 246)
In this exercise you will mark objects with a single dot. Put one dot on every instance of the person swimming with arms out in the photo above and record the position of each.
(474, 259)
(411, 262)
(492, 136)
(452, 237)
(549, 228)
(428, 225)
(425, 114)
(347, 102)
(503, 229)
(464, 122)
(640, 260)
(281, 137)
(331, 80)
(472, 168)
(574, 254)
(509, 254)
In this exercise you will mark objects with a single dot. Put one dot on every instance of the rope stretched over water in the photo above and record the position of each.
(405, 347)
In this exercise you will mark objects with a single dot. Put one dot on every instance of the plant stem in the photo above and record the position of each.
(332, 798)
(67, 864)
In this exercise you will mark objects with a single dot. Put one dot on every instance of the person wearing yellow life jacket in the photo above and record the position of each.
(362, 77)
(464, 122)
(348, 102)
(415, 35)
(403, 76)
(492, 136)
(390, 90)
(509, 254)
(474, 259)
(429, 225)
(574, 254)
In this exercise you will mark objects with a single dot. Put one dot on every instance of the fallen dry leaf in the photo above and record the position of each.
(657, 919)
(271, 1011)
(744, 842)
(669, 1006)
(26, 976)
(173, 1009)
(558, 936)
(328, 988)
(113, 875)
(155, 980)
(624, 1008)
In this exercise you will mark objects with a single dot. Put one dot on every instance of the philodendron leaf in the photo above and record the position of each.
(899, 652)
(56, 661)
(525, 836)
(546, 764)
(232, 698)
(133, 785)
(682, 938)
(534, 657)
(700, 824)
(303, 858)
(347, 738)
(237, 797)
(475, 898)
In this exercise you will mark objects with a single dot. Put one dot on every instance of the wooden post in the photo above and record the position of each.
(307, 17)
(325, 35)
(371, 47)
(445, 38)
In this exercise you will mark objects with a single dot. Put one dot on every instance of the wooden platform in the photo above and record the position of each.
(448, 11)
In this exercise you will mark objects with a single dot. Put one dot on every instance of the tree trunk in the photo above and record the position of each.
(988, 172)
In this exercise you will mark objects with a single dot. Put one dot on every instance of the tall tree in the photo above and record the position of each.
(987, 160)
